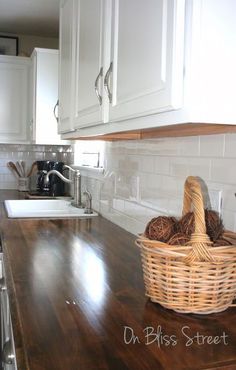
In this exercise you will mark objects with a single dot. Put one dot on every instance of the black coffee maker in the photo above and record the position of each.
(55, 187)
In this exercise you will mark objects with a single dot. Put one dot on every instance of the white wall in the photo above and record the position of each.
(27, 43)
(145, 178)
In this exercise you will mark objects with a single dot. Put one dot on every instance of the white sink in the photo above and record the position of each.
(52, 208)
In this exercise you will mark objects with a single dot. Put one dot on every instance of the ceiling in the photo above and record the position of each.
(30, 17)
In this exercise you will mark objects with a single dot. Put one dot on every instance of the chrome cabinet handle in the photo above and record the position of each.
(106, 82)
(96, 85)
(7, 353)
(54, 110)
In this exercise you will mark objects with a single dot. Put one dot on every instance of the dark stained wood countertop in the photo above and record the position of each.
(75, 285)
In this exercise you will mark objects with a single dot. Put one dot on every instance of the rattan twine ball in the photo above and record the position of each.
(146, 232)
(179, 239)
(186, 224)
(214, 225)
(160, 228)
(221, 242)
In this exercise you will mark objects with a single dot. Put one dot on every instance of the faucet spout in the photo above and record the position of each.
(55, 172)
(66, 167)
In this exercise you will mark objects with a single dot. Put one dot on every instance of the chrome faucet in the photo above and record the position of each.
(76, 180)
(88, 204)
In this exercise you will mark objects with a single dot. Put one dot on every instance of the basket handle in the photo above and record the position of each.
(199, 241)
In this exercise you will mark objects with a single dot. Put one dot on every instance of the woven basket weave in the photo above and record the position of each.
(196, 278)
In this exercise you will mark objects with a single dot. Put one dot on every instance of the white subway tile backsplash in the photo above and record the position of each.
(184, 166)
(4, 170)
(150, 183)
(230, 146)
(200, 167)
(212, 146)
(134, 194)
(112, 161)
(175, 207)
(146, 178)
(161, 165)
(118, 205)
(234, 228)
(29, 153)
(128, 223)
(131, 147)
(229, 219)
(157, 203)
(4, 155)
(146, 163)
(129, 164)
(179, 167)
(228, 197)
(172, 186)
(186, 146)
(139, 212)
(224, 170)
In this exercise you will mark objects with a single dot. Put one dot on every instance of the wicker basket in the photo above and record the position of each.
(196, 278)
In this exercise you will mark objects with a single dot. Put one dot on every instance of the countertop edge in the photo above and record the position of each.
(21, 357)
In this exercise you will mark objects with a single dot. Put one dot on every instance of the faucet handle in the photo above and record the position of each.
(88, 206)
(89, 195)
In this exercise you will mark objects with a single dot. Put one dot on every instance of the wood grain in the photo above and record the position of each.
(179, 130)
(75, 284)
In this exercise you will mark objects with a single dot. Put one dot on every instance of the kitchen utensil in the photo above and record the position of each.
(22, 163)
(18, 166)
(13, 167)
(32, 169)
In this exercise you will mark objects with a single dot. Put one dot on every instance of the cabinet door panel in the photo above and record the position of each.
(14, 76)
(46, 95)
(65, 64)
(147, 55)
(87, 109)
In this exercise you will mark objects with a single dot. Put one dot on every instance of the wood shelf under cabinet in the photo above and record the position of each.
(180, 130)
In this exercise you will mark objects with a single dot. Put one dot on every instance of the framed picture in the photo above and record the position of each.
(8, 45)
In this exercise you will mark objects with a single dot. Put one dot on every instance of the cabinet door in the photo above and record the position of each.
(67, 27)
(14, 91)
(46, 95)
(87, 107)
(146, 75)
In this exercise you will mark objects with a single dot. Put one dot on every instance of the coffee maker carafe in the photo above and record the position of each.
(55, 187)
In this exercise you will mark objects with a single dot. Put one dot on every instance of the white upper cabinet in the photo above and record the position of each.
(127, 60)
(28, 94)
(155, 63)
(14, 98)
(210, 61)
(147, 57)
(67, 55)
(45, 96)
(88, 68)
